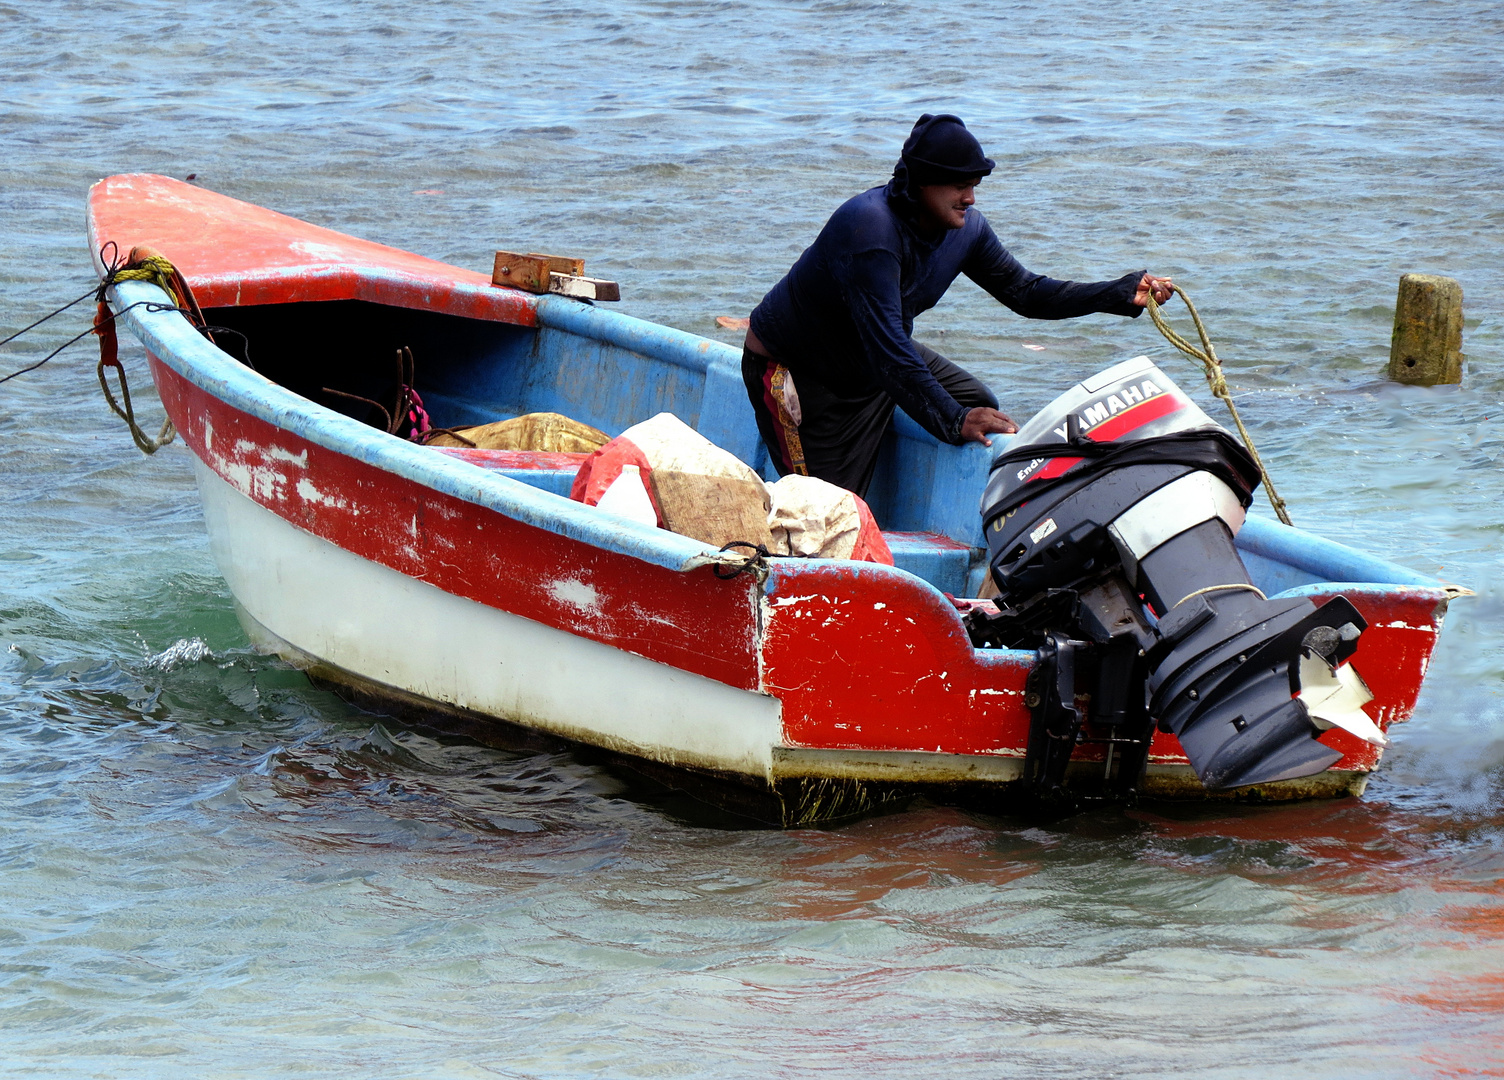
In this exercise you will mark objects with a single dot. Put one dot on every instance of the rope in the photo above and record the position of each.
(1208, 357)
(143, 443)
(385, 412)
(144, 264)
(147, 304)
(147, 265)
(407, 408)
(49, 356)
(94, 291)
(427, 437)
(109, 349)
(1221, 588)
(152, 268)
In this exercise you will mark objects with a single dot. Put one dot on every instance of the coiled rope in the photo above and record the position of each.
(1214, 379)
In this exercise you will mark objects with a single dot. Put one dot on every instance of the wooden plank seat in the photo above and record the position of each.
(550, 471)
(943, 562)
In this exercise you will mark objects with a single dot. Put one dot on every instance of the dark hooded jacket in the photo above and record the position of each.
(844, 314)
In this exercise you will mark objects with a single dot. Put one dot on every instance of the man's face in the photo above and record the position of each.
(945, 204)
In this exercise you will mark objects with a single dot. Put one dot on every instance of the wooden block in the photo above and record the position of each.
(584, 288)
(530, 272)
(561, 264)
(561, 274)
(1426, 348)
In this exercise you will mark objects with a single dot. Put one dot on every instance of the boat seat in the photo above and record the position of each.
(549, 471)
(943, 562)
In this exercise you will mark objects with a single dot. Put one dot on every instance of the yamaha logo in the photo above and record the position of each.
(1120, 400)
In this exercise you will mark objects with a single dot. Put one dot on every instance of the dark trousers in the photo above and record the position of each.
(839, 434)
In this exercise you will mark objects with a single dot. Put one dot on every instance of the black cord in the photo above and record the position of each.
(44, 318)
(759, 556)
(245, 342)
(113, 263)
(149, 305)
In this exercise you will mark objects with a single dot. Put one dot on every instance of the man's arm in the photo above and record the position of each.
(1035, 296)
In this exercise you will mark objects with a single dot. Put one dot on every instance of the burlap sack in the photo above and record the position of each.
(817, 519)
(549, 432)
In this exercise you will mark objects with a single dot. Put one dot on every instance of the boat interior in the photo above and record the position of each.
(472, 371)
(611, 372)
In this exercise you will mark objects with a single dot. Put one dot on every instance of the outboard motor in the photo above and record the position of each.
(1110, 524)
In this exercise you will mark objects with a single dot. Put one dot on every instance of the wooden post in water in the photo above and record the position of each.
(1427, 345)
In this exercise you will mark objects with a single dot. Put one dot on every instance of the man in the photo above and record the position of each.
(830, 350)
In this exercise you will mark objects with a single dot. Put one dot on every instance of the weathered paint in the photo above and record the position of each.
(861, 662)
(867, 657)
(236, 254)
(395, 630)
(691, 621)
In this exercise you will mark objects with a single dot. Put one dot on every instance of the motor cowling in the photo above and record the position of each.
(1110, 526)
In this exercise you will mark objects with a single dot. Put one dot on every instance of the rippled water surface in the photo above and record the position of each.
(209, 868)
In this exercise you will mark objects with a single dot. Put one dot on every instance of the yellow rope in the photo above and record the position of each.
(1220, 588)
(1208, 357)
(153, 268)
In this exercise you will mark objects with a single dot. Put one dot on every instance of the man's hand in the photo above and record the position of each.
(1162, 287)
(980, 423)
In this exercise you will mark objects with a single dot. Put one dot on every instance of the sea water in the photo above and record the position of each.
(210, 868)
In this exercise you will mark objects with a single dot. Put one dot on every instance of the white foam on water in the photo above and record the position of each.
(183, 651)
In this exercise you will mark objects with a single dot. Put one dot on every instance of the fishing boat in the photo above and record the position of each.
(467, 588)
